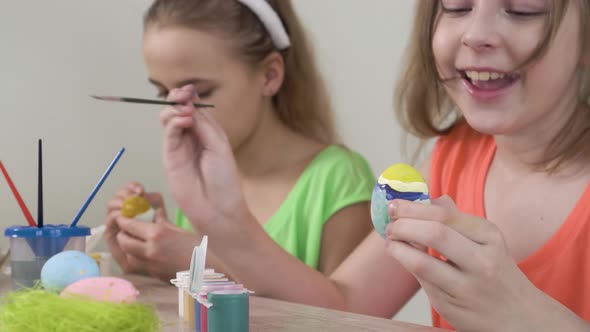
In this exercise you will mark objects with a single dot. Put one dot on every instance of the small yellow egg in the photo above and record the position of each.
(135, 205)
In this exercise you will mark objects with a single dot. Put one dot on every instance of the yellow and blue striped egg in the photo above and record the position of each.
(399, 181)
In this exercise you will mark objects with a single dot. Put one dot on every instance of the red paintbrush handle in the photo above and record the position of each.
(20, 201)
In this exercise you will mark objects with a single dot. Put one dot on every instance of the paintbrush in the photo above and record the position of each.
(40, 188)
(18, 198)
(146, 101)
(96, 188)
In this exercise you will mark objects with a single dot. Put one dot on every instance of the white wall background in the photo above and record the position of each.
(54, 54)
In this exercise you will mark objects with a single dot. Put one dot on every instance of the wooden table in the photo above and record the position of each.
(265, 314)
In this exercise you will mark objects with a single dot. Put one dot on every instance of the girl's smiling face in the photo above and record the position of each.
(479, 48)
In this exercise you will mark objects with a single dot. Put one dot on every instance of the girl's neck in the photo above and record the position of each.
(271, 147)
(523, 152)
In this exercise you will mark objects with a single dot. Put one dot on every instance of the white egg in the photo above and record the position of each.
(147, 216)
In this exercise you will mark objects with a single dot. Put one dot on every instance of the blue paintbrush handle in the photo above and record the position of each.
(96, 188)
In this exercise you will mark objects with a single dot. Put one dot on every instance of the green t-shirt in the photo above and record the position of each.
(336, 178)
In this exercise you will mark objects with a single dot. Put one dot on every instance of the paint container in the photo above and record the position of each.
(188, 304)
(189, 308)
(181, 275)
(206, 285)
(197, 313)
(201, 302)
(203, 316)
(229, 311)
(200, 286)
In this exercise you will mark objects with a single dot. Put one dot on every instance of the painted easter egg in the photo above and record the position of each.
(107, 289)
(137, 207)
(399, 181)
(67, 267)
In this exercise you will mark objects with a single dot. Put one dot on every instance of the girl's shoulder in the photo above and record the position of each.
(462, 141)
(340, 161)
(460, 158)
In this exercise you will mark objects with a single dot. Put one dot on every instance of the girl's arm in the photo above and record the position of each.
(369, 281)
(204, 180)
(342, 233)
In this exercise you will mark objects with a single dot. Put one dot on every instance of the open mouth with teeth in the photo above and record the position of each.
(489, 81)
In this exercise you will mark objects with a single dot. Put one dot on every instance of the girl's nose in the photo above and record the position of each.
(481, 33)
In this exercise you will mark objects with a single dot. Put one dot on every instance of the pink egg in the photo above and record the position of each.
(109, 289)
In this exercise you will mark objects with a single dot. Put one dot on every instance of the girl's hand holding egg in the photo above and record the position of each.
(140, 247)
(469, 246)
(135, 195)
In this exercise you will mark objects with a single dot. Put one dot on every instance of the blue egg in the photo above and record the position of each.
(67, 267)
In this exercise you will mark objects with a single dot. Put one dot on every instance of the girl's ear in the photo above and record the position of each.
(273, 67)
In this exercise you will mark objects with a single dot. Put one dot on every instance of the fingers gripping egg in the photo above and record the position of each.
(399, 181)
(137, 207)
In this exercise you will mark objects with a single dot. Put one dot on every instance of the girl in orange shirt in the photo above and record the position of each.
(513, 78)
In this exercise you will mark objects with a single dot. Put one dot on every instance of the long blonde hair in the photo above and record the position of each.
(302, 102)
(425, 110)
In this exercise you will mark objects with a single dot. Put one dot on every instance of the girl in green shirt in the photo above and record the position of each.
(252, 61)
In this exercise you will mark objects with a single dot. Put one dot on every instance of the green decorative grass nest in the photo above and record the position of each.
(35, 310)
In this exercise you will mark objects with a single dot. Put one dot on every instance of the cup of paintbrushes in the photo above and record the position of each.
(31, 247)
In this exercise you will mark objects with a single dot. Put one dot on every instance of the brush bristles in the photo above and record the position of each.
(107, 98)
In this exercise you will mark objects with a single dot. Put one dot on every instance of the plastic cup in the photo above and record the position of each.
(31, 247)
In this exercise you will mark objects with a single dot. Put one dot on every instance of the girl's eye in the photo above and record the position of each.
(205, 94)
(455, 10)
(525, 14)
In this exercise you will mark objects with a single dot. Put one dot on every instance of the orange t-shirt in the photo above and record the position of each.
(561, 267)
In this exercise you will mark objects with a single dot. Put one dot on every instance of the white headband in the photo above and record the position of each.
(271, 21)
